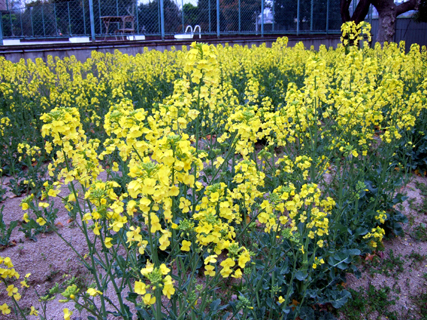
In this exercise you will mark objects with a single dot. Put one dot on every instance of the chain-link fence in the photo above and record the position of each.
(46, 20)
(61, 18)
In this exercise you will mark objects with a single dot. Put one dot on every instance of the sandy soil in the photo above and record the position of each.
(410, 283)
(48, 260)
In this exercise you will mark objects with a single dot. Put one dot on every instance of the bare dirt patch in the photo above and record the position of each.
(399, 272)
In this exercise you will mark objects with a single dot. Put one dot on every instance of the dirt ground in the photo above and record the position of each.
(406, 276)
(49, 260)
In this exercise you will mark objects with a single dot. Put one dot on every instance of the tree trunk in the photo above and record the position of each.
(387, 11)
(386, 24)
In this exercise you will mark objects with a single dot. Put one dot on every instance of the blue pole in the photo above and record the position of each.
(137, 17)
(10, 19)
(44, 31)
(11, 24)
(311, 16)
(22, 27)
(56, 23)
(162, 19)
(1, 30)
(217, 19)
(297, 17)
(182, 11)
(84, 17)
(92, 21)
(209, 12)
(262, 18)
(69, 18)
(158, 17)
(239, 17)
(99, 16)
(32, 23)
(273, 16)
(327, 16)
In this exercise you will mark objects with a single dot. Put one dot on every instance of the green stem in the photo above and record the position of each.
(89, 243)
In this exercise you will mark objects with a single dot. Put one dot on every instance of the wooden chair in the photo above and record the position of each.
(128, 26)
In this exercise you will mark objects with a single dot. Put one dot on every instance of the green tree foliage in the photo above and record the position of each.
(190, 14)
(249, 9)
(421, 15)
(149, 17)
(207, 16)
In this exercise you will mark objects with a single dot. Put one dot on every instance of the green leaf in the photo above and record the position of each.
(301, 275)
(307, 313)
(215, 306)
(132, 297)
(337, 298)
(340, 299)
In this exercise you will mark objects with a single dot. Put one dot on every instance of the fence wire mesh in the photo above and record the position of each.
(61, 18)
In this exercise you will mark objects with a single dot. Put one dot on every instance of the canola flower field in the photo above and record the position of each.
(260, 173)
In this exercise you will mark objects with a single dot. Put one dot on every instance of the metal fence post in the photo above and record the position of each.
(327, 16)
(10, 18)
(240, 15)
(117, 7)
(217, 19)
(137, 17)
(297, 17)
(22, 27)
(11, 24)
(99, 16)
(44, 31)
(209, 12)
(69, 18)
(56, 24)
(182, 14)
(32, 23)
(92, 21)
(158, 17)
(162, 19)
(84, 17)
(273, 16)
(1, 29)
(311, 15)
(262, 18)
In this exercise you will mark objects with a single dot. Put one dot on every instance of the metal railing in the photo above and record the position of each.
(61, 18)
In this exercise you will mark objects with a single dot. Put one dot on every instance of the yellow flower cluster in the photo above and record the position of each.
(25, 148)
(381, 217)
(376, 235)
(353, 33)
(306, 207)
(159, 278)
(7, 273)
(77, 158)
(201, 149)
(160, 160)
(4, 122)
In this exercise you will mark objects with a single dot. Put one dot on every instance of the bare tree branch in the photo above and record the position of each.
(359, 14)
(361, 11)
(345, 13)
(407, 6)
